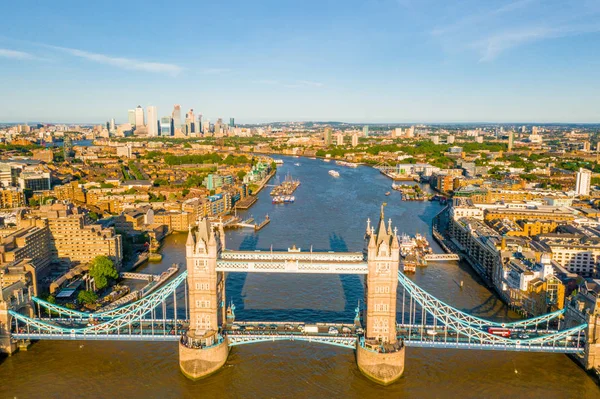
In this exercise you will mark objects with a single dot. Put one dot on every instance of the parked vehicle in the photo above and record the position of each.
(311, 329)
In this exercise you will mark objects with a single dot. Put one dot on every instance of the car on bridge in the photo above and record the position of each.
(236, 327)
(333, 330)
(288, 327)
(273, 327)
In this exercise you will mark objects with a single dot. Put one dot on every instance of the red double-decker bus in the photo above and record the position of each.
(503, 332)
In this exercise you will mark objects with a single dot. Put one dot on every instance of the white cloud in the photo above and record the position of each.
(470, 20)
(492, 30)
(16, 55)
(495, 44)
(123, 63)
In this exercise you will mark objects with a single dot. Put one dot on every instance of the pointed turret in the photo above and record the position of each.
(382, 234)
(395, 243)
(190, 243)
(372, 243)
(204, 230)
(190, 239)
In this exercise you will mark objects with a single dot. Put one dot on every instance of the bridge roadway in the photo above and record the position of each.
(292, 261)
(344, 335)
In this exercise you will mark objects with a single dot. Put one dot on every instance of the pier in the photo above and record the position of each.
(442, 257)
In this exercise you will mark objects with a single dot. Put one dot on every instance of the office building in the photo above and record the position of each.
(190, 124)
(366, 131)
(139, 117)
(176, 115)
(584, 180)
(231, 122)
(112, 125)
(199, 125)
(131, 117)
(153, 126)
(166, 126)
(34, 180)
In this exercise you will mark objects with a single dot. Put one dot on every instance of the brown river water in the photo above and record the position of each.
(330, 214)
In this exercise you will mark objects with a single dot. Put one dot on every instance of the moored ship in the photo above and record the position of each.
(334, 173)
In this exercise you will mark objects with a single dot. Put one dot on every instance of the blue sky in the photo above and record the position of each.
(356, 61)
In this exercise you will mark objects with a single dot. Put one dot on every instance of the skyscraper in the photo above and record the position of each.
(340, 139)
(231, 122)
(190, 123)
(327, 136)
(366, 130)
(176, 115)
(153, 127)
(112, 124)
(131, 117)
(354, 139)
(199, 126)
(584, 180)
(139, 117)
(510, 140)
(166, 126)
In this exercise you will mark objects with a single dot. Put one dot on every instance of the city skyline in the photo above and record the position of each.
(386, 62)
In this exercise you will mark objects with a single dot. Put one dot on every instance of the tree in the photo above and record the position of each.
(241, 174)
(102, 270)
(87, 297)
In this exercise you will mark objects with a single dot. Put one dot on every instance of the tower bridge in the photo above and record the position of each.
(398, 314)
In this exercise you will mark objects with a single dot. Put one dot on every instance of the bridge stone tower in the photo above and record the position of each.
(380, 356)
(585, 308)
(203, 350)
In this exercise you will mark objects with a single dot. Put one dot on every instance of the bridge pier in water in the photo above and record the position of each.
(379, 354)
(203, 349)
(7, 344)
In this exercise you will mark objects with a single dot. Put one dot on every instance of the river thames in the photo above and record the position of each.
(329, 213)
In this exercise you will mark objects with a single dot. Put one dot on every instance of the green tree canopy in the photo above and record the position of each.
(102, 270)
(87, 297)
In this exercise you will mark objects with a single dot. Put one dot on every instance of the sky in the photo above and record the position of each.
(370, 61)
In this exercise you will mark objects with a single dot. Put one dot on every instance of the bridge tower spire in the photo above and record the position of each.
(203, 350)
(379, 354)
